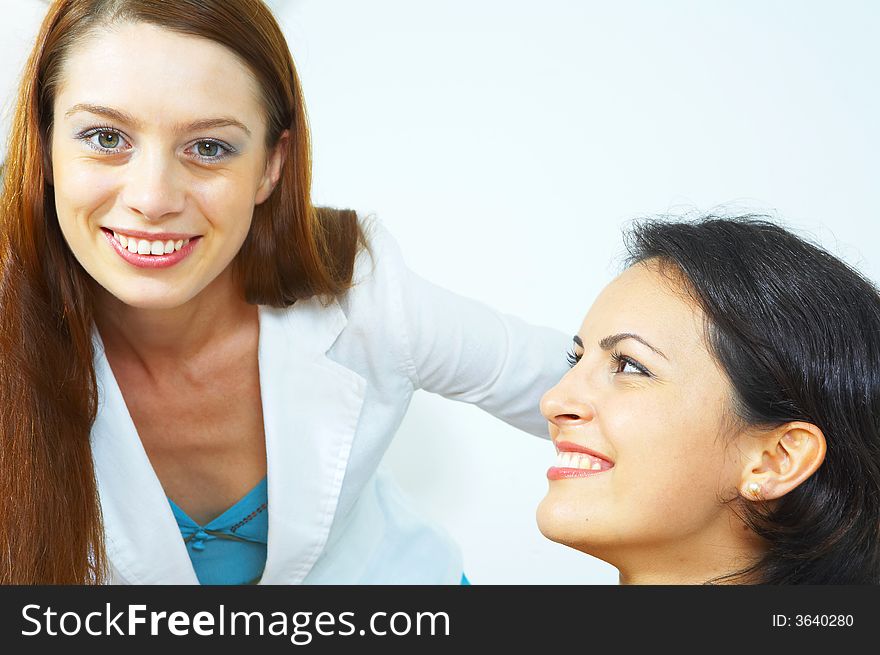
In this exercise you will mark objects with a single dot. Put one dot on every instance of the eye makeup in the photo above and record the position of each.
(224, 149)
(622, 361)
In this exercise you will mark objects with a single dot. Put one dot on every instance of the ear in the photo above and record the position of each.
(779, 460)
(274, 164)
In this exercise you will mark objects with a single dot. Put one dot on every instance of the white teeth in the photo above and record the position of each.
(144, 247)
(572, 460)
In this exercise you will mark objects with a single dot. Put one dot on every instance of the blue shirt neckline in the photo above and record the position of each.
(244, 506)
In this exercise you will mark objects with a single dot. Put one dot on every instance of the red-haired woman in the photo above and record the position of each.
(190, 352)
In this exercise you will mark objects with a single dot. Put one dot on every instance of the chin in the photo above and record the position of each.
(578, 526)
(157, 304)
(156, 299)
(560, 523)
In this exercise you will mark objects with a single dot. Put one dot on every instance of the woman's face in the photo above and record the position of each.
(157, 138)
(649, 402)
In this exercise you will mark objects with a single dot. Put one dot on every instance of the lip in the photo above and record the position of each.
(150, 261)
(557, 473)
(152, 236)
(561, 473)
(571, 447)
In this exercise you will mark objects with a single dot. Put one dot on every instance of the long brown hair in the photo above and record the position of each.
(52, 531)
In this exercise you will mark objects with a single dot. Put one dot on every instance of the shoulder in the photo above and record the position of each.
(357, 245)
(374, 303)
(380, 260)
(374, 338)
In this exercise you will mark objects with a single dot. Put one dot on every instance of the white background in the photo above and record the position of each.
(506, 143)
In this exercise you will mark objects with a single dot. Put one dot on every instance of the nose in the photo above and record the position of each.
(154, 186)
(568, 404)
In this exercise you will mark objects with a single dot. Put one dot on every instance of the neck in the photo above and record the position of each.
(696, 559)
(158, 338)
(678, 573)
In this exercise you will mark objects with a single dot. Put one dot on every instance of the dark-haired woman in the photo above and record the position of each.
(199, 370)
(721, 418)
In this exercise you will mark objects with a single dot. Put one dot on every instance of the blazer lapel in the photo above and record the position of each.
(143, 541)
(311, 407)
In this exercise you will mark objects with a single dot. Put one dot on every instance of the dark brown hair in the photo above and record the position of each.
(52, 530)
(797, 331)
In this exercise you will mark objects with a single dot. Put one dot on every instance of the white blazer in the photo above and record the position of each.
(336, 381)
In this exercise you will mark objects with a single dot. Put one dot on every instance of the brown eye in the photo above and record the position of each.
(625, 366)
(628, 366)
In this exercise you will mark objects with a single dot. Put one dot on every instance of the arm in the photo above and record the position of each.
(463, 350)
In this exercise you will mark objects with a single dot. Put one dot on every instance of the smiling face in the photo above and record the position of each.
(645, 415)
(129, 158)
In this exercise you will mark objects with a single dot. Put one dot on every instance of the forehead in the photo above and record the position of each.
(159, 76)
(649, 302)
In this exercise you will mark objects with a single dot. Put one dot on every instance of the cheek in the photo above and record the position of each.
(80, 201)
(80, 188)
(652, 464)
(82, 193)
(669, 451)
(226, 200)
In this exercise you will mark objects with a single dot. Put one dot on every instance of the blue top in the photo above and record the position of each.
(231, 549)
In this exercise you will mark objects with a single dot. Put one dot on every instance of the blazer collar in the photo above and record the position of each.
(311, 406)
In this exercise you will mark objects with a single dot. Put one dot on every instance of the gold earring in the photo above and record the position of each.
(755, 489)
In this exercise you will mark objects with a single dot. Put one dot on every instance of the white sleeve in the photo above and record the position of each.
(461, 349)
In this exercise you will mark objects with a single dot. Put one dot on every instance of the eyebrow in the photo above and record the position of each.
(610, 341)
(121, 116)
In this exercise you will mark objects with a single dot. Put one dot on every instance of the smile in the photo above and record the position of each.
(573, 461)
(579, 461)
(145, 247)
(150, 253)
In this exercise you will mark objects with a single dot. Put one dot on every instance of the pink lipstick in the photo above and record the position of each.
(151, 261)
(576, 461)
